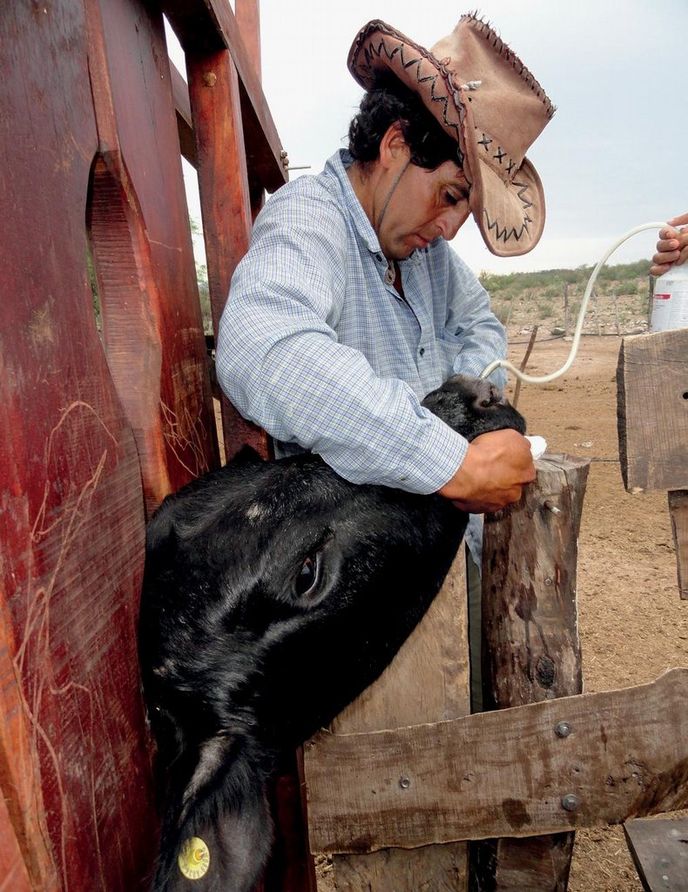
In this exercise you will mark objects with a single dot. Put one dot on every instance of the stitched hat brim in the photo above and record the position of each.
(509, 213)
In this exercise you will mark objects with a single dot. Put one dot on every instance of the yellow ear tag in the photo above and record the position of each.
(194, 858)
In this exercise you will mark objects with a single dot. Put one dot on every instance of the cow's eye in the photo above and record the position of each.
(308, 577)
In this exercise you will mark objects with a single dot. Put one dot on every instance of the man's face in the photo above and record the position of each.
(424, 205)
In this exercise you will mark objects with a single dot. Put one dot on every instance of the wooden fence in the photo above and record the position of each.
(103, 416)
(405, 777)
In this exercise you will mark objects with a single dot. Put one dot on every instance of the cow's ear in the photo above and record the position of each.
(217, 821)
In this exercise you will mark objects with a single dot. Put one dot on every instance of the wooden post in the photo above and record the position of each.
(678, 509)
(237, 150)
(225, 203)
(531, 649)
(650, 298)
(524, 363)
(427, 682)
(247, 13)
(566, 309)
(652, 394)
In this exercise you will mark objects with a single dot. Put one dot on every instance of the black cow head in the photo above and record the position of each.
(274, 593)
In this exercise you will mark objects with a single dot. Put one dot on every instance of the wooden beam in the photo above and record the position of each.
(652, 385)
(225, 202)
(182, 109)
(205, 27)
(678, 509)
(504, 773)
(247, 15)
(531, 648)
(427, 681)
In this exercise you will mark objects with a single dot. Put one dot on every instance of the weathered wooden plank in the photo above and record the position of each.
(205, 27)
(531, 644)
(530, 619)
(678, 509)
(436, 868)
(75, 771)
(143, 252)
(660, 852)
(652, 386)
(504, 773)
(427, 681)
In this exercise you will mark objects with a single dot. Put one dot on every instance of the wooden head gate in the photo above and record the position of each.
(100, 424)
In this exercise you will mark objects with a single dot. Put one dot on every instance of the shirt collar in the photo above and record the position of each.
(337, 166)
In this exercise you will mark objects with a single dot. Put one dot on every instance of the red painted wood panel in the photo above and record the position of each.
(226, 210)
(90, 429)
(14, 876)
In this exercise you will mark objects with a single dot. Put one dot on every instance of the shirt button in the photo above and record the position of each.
(389, 276)
(421, 352)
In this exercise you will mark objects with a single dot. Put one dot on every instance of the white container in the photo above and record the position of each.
(670, 301)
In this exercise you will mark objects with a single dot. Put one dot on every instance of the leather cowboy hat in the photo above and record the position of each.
(487, 100)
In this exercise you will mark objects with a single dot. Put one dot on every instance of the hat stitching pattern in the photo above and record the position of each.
(378, 49)
(485, 29)
(505, 234)
(509, 165)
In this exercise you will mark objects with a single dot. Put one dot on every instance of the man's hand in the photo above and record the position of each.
(672, 246)
(496, 467)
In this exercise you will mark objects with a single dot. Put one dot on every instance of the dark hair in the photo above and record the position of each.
(389, 101)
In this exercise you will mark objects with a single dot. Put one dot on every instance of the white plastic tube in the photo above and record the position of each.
(544, 379)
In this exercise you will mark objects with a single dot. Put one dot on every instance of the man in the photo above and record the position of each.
(350, 306)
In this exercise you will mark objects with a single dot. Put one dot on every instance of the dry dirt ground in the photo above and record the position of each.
(633, 625)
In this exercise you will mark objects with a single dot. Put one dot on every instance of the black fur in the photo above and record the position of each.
(274, 593)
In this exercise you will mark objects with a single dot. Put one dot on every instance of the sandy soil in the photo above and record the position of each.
(633, 625)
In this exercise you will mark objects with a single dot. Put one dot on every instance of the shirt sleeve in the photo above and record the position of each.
(471, 318)
(281, 364)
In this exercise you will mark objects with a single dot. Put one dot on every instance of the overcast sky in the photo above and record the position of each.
(614, 155)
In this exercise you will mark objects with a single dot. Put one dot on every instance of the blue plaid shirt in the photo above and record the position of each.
(316, 346)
